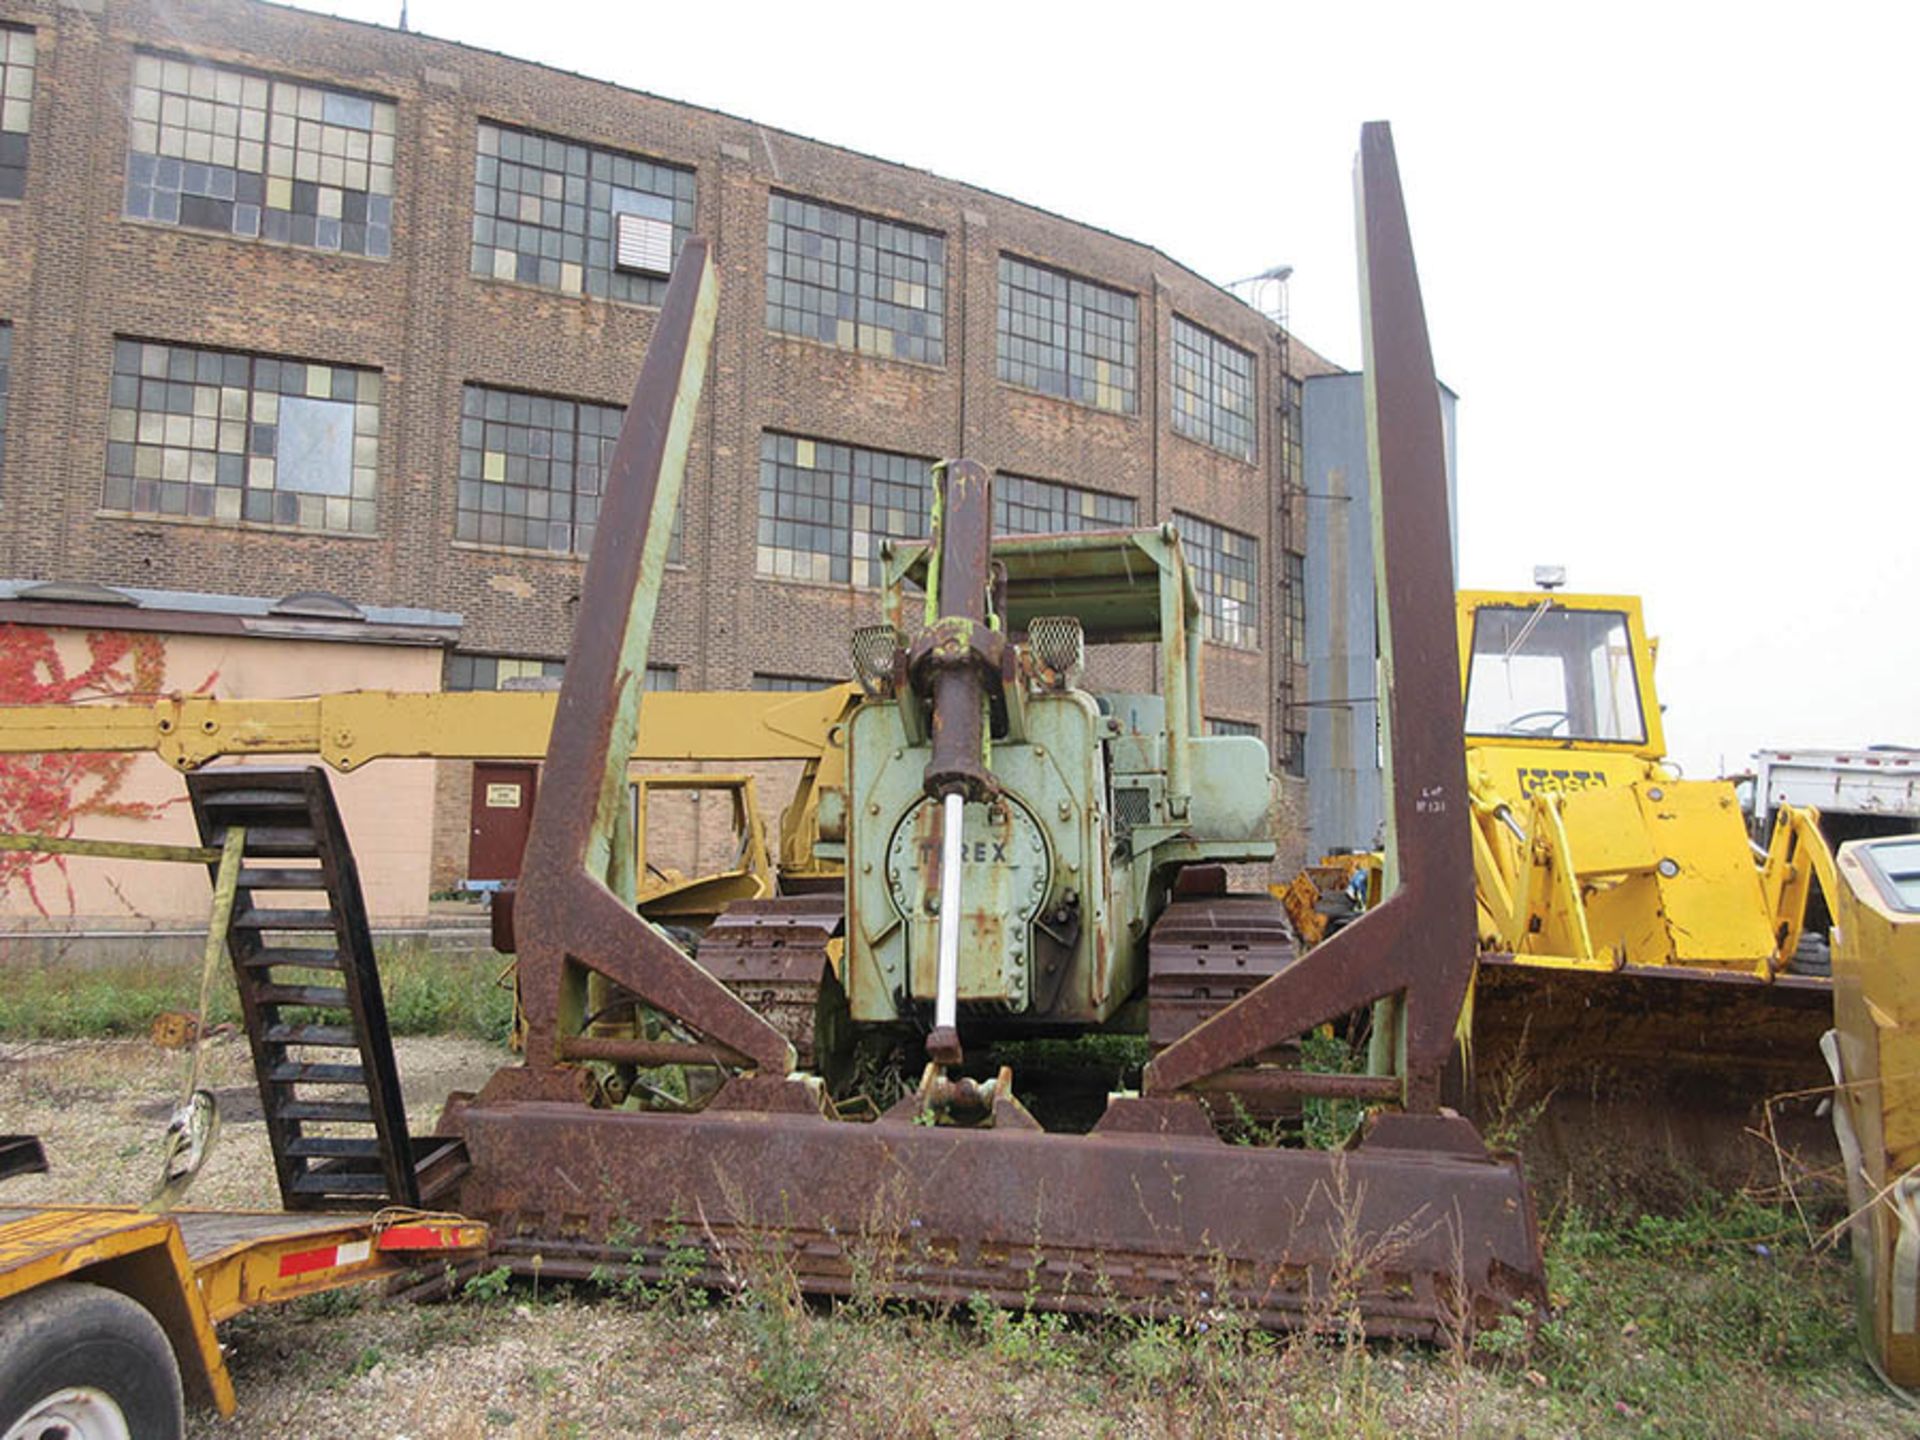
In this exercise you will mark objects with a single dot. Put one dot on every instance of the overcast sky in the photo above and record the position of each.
(1669, 254)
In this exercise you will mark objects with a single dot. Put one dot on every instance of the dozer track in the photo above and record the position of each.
(773, 955)
(1205, 953)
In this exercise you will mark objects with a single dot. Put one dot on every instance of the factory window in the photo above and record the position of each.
(1291, 428)
(1226, 572)
(533, 470)
(1295, 647)
(826, 508)
(1066, 336)
(213, 435)
(1041, 507)
(219, 149)
(855, 281)
(1295, 760)
(794, 683)
(577, 218)
(16, 108)
(6, 375)
(495, 672)
(1232, 727)
(1212, 390)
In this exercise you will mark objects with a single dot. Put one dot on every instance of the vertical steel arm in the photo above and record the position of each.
(1420, 942)
(569, 914)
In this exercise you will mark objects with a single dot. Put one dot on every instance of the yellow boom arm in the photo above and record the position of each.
(349, 729)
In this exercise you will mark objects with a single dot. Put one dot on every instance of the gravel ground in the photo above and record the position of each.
(101, 1106)
(517, 1363)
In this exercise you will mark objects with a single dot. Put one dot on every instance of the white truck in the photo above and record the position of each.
(1859, 793)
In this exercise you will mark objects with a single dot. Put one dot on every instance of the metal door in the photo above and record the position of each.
(502, 813)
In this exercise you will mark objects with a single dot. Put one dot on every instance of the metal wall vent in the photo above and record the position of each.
(642, 244)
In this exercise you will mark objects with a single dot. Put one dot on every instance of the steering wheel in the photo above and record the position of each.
(1552, 721)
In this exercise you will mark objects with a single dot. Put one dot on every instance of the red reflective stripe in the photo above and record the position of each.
(415, 1237)
(302, 1261)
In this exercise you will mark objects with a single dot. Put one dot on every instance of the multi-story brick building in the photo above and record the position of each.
(292, 303)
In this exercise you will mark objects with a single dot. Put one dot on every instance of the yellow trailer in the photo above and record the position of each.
(107, 1313)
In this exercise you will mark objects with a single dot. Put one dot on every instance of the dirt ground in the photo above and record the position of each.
(519, 1363)
(101, 1106)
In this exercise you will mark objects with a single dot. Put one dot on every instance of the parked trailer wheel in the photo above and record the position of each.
(81, 1362)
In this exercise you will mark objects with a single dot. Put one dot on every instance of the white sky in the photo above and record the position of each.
(1668, 253)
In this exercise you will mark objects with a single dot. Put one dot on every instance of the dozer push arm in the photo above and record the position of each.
(351, 728)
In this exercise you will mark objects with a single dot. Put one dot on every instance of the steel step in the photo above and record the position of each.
(281, 877)
(297, 1072)
(343, 1037)
(344, 1111)
(306, 957)
(258, 919)
(326, 997)
(340, 1182)
(334, 1148)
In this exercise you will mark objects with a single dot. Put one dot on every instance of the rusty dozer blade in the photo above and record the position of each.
(1417, 1225)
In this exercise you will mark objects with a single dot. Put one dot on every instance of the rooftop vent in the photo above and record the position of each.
(316, 605)
(77, 592)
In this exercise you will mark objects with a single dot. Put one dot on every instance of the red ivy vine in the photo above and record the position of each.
(46, 794)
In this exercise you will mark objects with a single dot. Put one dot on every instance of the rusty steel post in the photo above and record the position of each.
(570, 917)
(956, 664)
(1419, 944)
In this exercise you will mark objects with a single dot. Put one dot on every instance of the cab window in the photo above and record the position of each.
(1544, 672)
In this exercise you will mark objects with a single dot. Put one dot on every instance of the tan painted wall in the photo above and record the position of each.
(388, 808)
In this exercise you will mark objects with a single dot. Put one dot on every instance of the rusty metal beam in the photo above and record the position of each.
(570, 920)
(1419, 944)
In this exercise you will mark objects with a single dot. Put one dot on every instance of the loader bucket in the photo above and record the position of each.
(1643, 1086)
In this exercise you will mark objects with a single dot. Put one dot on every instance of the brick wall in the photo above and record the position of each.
(78, 274)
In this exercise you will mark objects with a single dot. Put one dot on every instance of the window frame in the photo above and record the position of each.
(509, 399)
(1004, 504)
(866, 303)
(810, 508)
(1073, 344)
(1200, 419)
(1196, 542)
(206, 431)
(1293, 586)
(17, 139)
(315, 178)
(551, 211)
(769, 682)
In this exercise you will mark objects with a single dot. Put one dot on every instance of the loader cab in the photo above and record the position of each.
(1559, 687)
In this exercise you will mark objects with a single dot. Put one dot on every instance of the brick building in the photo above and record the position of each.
(292, 303)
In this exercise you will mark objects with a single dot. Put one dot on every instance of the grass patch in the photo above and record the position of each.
(1720, 1321)
(428, 992)
(1660, 1327)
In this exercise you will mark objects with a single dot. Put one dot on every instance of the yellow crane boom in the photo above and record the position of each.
(348, 729)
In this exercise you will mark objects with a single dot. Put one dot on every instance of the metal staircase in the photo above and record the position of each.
(310, 997)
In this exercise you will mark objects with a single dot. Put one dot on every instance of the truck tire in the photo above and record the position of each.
(81, 1362)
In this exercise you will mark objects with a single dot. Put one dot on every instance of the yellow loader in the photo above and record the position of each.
(1643, 989)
